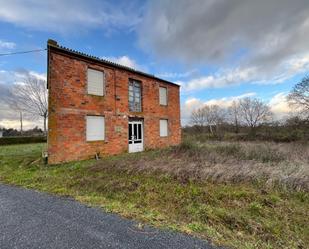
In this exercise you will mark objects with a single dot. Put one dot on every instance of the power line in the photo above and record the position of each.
(24, 52)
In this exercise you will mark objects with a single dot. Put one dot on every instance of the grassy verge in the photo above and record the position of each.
(237, 215)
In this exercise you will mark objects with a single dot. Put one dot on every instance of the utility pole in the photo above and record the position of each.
(21, 122)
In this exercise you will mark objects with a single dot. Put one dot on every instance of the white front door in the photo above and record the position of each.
(136, 136)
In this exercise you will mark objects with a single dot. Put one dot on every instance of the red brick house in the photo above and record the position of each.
(97, 107)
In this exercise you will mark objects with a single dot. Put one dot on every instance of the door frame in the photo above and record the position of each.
(138, 122)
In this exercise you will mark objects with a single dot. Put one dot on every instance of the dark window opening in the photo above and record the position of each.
(130, 131)
(135, 96)
(139, 132)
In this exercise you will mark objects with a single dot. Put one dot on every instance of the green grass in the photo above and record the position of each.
(241, 215)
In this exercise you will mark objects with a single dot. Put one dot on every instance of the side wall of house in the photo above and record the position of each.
(69, 104)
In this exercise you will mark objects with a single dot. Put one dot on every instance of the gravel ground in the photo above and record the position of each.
(30, 219)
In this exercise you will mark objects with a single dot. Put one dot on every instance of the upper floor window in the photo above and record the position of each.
(135, 96)
(163, 95)
(95, 82)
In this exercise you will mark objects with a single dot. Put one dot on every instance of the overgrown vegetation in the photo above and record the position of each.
(210, 190)
(292, 130)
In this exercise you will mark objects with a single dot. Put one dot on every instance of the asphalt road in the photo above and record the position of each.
(30, 219)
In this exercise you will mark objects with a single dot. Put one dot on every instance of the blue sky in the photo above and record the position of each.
(216, 50)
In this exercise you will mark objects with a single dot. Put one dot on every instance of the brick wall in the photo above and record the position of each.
(69, 104)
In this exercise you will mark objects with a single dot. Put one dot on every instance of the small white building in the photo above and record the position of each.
(1, 133)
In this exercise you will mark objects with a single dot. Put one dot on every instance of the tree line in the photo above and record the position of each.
(11, 132)
(248, 114)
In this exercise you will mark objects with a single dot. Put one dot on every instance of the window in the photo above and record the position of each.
(95, 82)
(163, 95)
(95, 128)
(135, 95)
(163, 127)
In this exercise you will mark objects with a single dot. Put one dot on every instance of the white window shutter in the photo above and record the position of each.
(95, 82)
(163, 128)
(163, 95)
(95, 128)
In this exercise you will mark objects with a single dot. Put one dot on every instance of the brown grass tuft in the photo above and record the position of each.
(266, 163)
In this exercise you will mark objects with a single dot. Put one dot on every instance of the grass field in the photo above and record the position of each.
(239, 195)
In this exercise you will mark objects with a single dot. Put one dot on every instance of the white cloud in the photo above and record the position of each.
(299, 63)
(10, 77)
(278, 105)
(226, 102)
(9, 118)
(208, 30)
(5, 76)
(70, 15)
(175, 75)
(254, 75)
(221, 79)
(41, 76)
(7, 45)
(124, 60)
(15, 124)
(187, 107)
(192, 104)
(252, 41)
(295, 65)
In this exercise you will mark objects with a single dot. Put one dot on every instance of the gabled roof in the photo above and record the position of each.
(52, 44)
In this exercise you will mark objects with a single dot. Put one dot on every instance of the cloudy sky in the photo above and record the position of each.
(218, 50)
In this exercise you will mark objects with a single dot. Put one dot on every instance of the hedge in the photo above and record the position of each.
(21, 140)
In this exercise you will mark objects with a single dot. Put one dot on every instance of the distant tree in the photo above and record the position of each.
(234, 114)
(299, 96)
(209, 115)
(10, 132)
(253, 112)
(198, 118)
(293, 121)
(215, 116)
(36, 131)
(30, 96)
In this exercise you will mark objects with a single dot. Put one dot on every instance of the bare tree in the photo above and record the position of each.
(198, 118)
(30, 96)
(210, 115)
(253, 112)
(299, 96)
(234, 114)
(215, 116)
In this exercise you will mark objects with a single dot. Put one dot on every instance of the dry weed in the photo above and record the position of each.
(283, 164)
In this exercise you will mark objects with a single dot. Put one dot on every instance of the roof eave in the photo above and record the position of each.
(51, 44)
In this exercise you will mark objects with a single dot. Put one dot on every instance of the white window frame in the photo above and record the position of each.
(162, 134)
(95, 90)
(90, 134)
(166, 98)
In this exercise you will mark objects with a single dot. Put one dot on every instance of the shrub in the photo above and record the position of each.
(187, 145)
(264, 154)
(21, 140)
(190, 148)
(229, 149)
